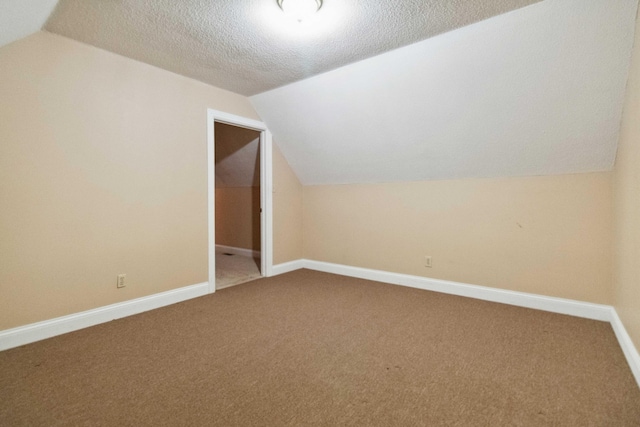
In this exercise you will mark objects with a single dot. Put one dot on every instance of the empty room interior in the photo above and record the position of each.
(319, 212)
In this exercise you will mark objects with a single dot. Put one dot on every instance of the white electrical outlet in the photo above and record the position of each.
(121, 283)
(427, 261)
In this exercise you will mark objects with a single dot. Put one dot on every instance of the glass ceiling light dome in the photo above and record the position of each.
(300, 9)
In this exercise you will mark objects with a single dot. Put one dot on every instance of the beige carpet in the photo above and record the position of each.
(310, 348)
(235, 269)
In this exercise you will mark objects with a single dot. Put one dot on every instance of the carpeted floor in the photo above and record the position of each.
(310, 348)
(235, 269)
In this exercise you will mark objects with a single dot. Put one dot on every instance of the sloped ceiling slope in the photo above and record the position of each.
(249, 46)
(20, 18)
(237, 156)
(537, 91)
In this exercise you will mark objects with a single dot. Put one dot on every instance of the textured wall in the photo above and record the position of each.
(545, 235)
(287, 211)
(103, 170)
(627, 205)
(238, 217)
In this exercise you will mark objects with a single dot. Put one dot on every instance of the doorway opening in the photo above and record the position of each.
(240, 200)
(237, 197)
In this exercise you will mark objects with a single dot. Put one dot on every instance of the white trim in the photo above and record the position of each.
(22, 335)
(266, 189)
(232, 119)
(521, 299)
(569, 307)
(288, 266)
(266, 202)
(628, 348)
(238, 251)
(211, 201)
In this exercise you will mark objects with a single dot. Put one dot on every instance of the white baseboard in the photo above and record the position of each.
(22, 335)
(287, 267)
(521, 299)
(238, 251)
(628, 348)
(50, 328)
(587, 310)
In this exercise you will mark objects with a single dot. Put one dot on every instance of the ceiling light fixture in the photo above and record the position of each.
(300, 9)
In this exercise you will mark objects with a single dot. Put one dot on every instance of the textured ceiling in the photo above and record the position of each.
(249, 46)
(20, 18)
(537, 91)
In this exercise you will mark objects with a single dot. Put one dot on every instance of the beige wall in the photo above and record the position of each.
(287, 211)
(102, 171)
(238, 217)
(545, 235)
(627, 206)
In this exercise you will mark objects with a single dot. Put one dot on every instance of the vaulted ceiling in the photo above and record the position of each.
(249, 46)
(399, 90)
(537, 91)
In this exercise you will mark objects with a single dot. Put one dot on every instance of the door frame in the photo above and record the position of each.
(266, 189)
